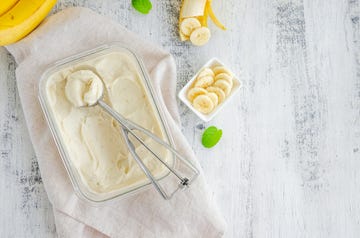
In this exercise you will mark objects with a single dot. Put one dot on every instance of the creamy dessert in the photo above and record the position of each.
(83, 88)
(92, 139)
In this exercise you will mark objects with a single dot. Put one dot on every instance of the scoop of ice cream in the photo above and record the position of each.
(83, 88)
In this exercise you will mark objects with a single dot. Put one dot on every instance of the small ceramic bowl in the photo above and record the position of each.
(183, 92)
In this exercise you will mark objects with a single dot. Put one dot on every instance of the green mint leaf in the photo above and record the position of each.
(211, 136)
(143, 6)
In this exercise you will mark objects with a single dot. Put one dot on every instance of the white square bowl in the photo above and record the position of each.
(207, 117)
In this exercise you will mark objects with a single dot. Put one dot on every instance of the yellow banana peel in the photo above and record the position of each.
(5, 5)
(209, 10)
(22, 18)
(204, 21)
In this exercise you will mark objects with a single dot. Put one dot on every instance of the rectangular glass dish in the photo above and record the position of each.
(89, 141)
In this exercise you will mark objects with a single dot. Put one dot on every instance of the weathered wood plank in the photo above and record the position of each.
(24, 207)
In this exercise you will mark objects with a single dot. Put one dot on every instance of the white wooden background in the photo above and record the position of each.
(288, 164)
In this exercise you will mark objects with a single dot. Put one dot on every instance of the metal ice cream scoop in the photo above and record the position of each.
(128, 127)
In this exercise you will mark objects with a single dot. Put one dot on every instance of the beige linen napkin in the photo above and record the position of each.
(191, 213)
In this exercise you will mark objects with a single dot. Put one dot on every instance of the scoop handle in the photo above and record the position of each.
(128, 127)
(125, 131)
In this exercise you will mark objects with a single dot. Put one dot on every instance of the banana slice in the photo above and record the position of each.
(183, 37)
(200, 36)
(214, 98)
(204, 82)
(212, 15)
(203, 104)
(188, 25)
(224, 76)
(221, 69)
(194, 92)
(206, 72)
(219, 92)
(224, 85)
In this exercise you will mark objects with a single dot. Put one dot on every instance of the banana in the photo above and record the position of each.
(218, 91)
(226, 77)
(214, 98)
(221, 69)
(200, 10)
(203, 104)
(206, 72)
(204, 82)
(188, 25)
(200, 36)
(205, 18)
(5, 5)
(211, 13)
(192, 8)
(22, 18)
(183, 37)
(225, 86)
(194, 92)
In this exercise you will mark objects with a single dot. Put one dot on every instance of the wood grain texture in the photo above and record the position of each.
(288, 163)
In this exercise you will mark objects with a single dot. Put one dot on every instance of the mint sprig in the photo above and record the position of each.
(211, 136)
(143, 6)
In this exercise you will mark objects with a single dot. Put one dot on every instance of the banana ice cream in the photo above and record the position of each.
(83, 88)
(92, 139)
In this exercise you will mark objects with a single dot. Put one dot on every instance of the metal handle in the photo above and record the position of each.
(127, 127)
(142, 165)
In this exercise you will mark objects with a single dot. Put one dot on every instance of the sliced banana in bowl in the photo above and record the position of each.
(210, 89)
(204, 82)
(214, 98)
(194, 92)
(225, 76)
(206, 72)
(221, 69)
(224, 86)
(219, 93)
(203, 103)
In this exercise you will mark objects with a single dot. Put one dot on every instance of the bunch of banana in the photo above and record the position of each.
(19, 17)
(193, 21)
(211, 87)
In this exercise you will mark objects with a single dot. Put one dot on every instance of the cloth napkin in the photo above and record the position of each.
(190, 213)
